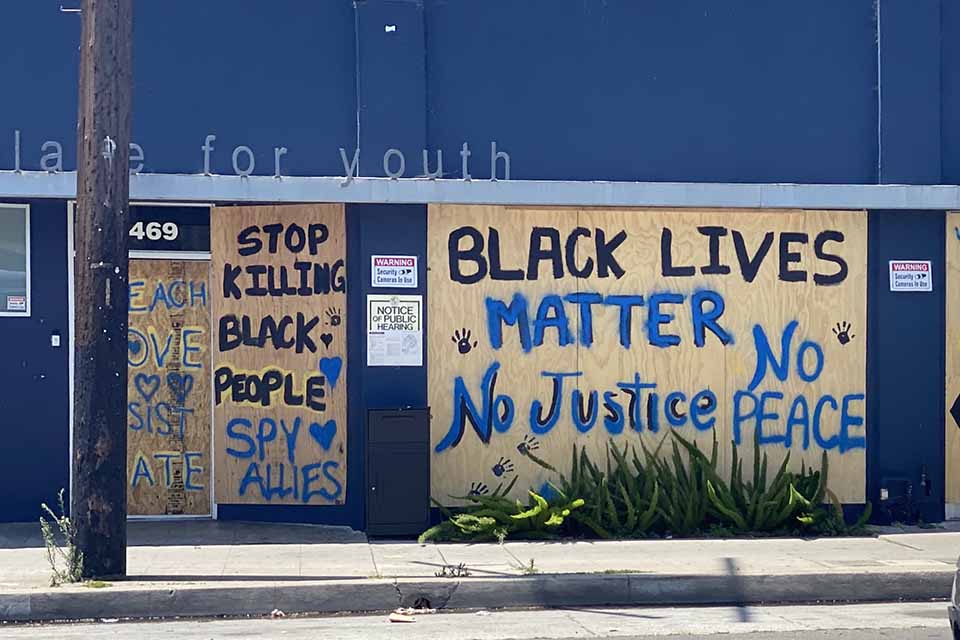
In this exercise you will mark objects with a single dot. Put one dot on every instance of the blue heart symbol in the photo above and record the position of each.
(134, 346)
(324, 433)
(180, 385)
(330, 367)
(146, 385)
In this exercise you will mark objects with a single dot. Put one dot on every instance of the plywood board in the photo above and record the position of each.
(953, 358)
(168, 410)
(478, 377)
(280, 378)
(601, 314)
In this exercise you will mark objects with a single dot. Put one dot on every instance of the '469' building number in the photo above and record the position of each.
(154, 230)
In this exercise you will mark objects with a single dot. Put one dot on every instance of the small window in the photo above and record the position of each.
(14, 260)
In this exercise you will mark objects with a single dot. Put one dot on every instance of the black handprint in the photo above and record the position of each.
(842, 331)
(478, 489)
(334, 317)
(462, 340)
(529, 444)
(503, 466)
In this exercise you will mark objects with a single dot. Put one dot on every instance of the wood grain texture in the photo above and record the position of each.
(288, 445)
(953, 358)
(168, 385)
(614, 365)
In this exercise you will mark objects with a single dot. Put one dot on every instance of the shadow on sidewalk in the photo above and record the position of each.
(736, 589)
(194, 533)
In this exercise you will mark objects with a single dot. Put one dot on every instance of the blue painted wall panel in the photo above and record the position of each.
(372, 230)
(686, 90)
(260, 74)
(905, 360)
(910, 91)
(392, 84)
(950, 47)
(34, 377)
(38, 64)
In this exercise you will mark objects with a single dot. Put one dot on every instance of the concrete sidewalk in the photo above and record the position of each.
(202, 568)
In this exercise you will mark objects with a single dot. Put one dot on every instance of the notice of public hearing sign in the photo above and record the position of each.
(394, 331)
(393, 271)
(910, 275)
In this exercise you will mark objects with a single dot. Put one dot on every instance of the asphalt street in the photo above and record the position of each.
(850, 622)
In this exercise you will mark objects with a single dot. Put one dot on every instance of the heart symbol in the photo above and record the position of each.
(330, 367)
(326, 339)
(134, 346)
(146, 385)
(180, 385)
(324, 433)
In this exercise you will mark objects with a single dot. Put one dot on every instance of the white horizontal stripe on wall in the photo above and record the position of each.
(222, 188)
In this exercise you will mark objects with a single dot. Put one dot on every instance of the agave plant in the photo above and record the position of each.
(619, 502)
(495, 517)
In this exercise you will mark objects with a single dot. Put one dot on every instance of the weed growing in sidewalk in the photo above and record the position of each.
(453, 571)
(529, 569)
(96, 584)
(68, 555)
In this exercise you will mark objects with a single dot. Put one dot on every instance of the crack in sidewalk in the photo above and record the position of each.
(900, 544)
(396, 585)
(373, 560)
(576, 622)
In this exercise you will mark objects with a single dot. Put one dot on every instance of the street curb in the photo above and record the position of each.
(546, 590)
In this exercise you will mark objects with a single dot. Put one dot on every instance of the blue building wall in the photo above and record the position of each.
(253, 73)
(39, 67)
(694, 90)
(686, 90)
(392, 85)
(909, 100)
(950, 114)
(259, 74)
(905, 363)
(34, 376)
(690, 90)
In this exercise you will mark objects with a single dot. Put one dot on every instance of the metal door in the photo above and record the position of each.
(398, 471)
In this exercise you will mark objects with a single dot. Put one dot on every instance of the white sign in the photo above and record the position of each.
(394, 331)
(394, 271)
(910, 275)
(16, 303)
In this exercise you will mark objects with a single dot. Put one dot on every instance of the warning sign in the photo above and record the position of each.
(16, 303)
(910, 275)
(394, 271)
(394, 331)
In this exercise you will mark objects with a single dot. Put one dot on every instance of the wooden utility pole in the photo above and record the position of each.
(99, 493)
